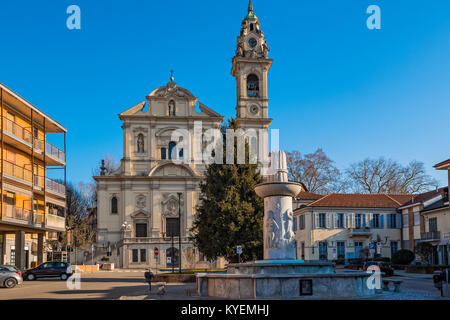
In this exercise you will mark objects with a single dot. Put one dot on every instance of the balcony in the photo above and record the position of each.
(20, 215)
(17, 172)
(17, 131)
(55, 187)
(359, 232)
(55, 153)
(55, 222)
(430, 236)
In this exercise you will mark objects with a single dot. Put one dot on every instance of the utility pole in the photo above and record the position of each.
(172, 251)
(179, 229)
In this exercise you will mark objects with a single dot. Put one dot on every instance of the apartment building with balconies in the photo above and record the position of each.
(33, 205)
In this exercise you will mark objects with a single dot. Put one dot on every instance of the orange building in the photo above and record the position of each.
(33, 205)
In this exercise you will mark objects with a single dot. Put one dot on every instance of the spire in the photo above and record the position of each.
(250, 14)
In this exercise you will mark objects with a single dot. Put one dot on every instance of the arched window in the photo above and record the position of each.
(114, 205)
(251, 27)
(252, 86)
(172, 108)
(172, 150)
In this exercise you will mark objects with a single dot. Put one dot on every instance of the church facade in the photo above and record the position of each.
(146, 206)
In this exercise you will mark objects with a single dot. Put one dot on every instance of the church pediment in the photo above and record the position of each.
(171, 90)
(169, 169)
(140, 214)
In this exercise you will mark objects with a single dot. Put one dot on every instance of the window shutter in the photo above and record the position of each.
(346, 220)
(317, 224)
(363, 218)
(328, 221)
(398, 220)
(353, 223)
(335, 220)
(382, 220)
(389, 222)
(371, 220)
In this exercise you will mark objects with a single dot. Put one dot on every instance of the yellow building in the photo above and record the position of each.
(33, 205)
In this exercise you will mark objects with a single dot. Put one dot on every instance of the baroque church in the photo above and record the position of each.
(144, 206)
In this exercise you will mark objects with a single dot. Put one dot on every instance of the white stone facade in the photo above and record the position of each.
(139, 202)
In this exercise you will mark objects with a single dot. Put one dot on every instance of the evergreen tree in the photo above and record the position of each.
(230, 213)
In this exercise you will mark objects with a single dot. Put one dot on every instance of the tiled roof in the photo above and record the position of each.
(444, 165)
(420, 198)
(353, 200)
(308, 196)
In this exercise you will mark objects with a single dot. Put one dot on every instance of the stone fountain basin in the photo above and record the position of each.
(278, 189)
(283, 286)
(281, 267)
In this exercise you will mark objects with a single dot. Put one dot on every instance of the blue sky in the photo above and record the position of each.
(334, 84)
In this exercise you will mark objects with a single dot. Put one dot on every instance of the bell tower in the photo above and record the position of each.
(251, 65)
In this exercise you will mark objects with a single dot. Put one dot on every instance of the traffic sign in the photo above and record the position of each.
(239, 249)
(156, 251)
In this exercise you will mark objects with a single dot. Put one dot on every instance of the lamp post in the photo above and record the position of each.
(179, 226)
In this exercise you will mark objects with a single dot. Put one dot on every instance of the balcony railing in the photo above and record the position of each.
(39, 181)
(359, 232)
(53, 186)
(15, 171)
(430, 236)
(22, 215)
(54, 152)
(17, 130)
(53, 221)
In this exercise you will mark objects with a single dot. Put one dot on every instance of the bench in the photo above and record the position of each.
(396, 283)
(161, 288)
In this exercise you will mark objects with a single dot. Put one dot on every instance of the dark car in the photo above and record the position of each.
(62, 270)
(384, 267)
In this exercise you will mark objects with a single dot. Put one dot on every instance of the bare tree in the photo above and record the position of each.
(316, 171)
(388, 176)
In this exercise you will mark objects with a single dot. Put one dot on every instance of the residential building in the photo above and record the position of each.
(436, 215)
(33, 205)
(412, 221)
(342, 226)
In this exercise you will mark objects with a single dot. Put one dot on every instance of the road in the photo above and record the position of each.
(131, 286)
(98, 286)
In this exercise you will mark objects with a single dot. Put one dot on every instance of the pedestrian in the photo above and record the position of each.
(149, 277)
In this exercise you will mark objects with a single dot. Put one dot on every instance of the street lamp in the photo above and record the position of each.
(179, 226)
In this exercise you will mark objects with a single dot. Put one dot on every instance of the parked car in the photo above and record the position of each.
(10, 276)
(62, 270)
(384, 267)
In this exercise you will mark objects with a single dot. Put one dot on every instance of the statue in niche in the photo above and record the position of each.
(172, 108)
(140, 143)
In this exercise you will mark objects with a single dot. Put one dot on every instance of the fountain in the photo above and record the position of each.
(279, 275)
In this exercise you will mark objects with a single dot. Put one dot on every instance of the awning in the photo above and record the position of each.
(444, 242)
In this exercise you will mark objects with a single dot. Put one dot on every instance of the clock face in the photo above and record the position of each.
(254, 109)
(252, 42)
